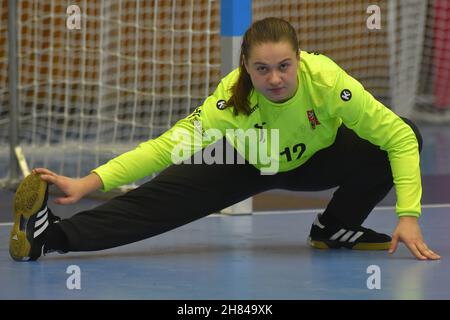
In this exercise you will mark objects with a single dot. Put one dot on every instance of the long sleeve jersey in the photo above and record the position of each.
(288, 133)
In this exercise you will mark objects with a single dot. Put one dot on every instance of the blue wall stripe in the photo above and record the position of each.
(236, 17)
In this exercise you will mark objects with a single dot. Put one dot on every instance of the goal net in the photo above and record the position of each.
(130, 71)
(135, 67)
(405, 63)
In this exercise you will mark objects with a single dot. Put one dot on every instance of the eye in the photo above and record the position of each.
(261, 69)
(284, 66)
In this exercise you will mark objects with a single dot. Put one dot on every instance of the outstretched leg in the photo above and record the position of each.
(178, 195)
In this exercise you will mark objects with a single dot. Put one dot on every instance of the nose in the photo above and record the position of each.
(275, 78)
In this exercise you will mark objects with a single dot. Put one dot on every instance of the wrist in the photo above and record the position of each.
(91, 182)
(408, 219)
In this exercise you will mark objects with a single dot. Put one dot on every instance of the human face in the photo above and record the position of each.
(272, 67)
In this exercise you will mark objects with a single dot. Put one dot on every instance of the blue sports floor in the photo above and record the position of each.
(255, 257)
(263, 256)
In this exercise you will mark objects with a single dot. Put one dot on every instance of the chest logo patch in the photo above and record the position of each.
(221, 104)
(313, 121)
(346, 95)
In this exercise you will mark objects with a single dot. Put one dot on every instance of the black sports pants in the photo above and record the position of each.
(183, 193)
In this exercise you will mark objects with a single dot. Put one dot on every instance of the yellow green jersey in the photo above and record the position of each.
(288, 133)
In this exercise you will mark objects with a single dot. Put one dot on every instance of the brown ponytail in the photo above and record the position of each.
(262, 31)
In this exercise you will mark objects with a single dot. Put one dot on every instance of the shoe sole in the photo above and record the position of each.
(28, 199)
(317, 244)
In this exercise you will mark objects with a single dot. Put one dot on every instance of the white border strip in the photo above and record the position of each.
(425, 206)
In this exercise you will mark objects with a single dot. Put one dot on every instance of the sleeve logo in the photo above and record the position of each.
(346, 95)
(221, 104)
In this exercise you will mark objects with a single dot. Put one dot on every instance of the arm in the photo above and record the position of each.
(153, 155)
(372, 121)
(156, 154)
(147, 158)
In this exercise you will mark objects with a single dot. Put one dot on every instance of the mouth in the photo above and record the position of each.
(276, 91)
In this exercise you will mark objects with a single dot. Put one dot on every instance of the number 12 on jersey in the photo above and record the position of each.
(298, 148)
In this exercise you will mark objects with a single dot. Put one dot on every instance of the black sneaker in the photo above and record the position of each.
(31, 219)
(324, 237)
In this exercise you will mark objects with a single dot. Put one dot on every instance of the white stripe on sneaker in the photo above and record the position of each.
(346, 236)
(40, 213)
(40, 230)
(41, 220)
(356, 236)
(338, 234)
